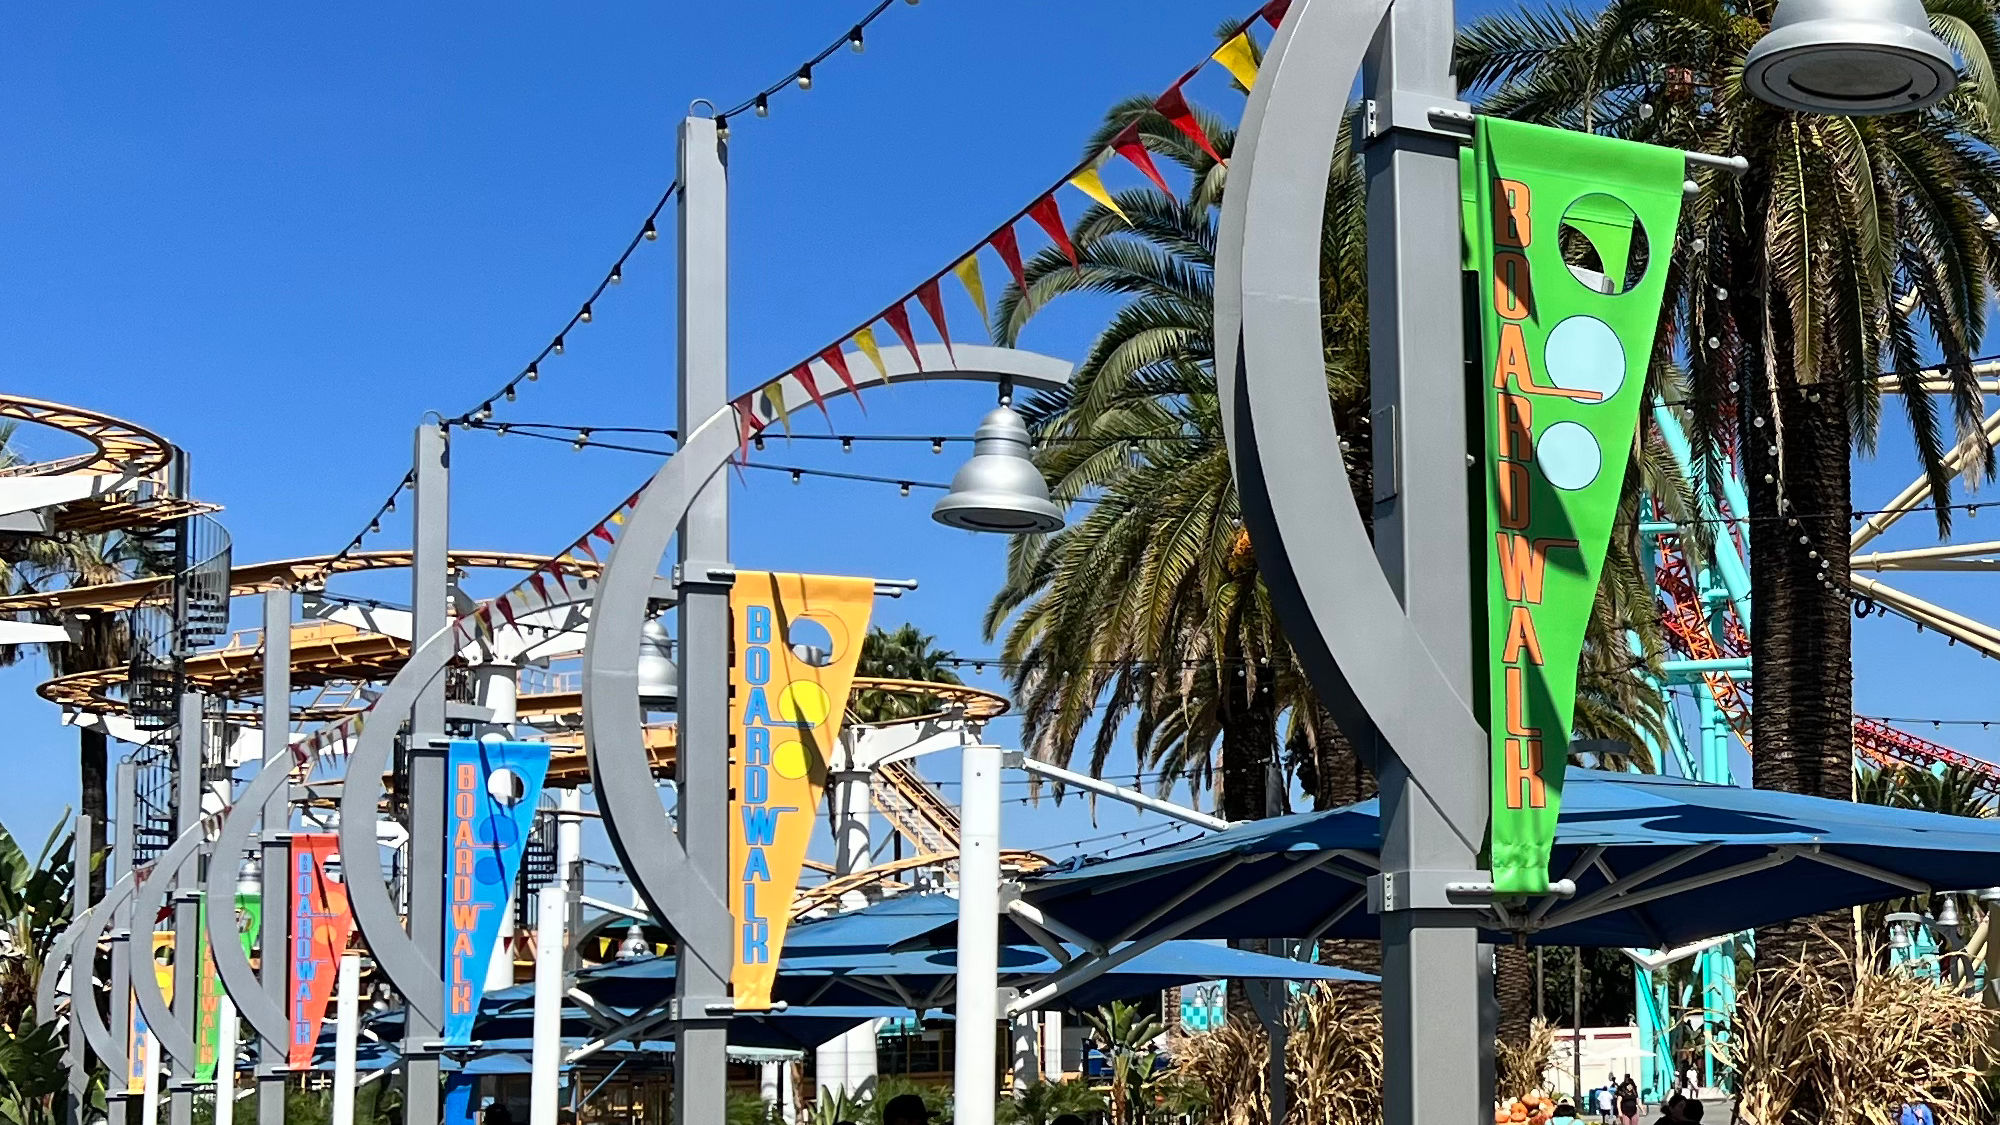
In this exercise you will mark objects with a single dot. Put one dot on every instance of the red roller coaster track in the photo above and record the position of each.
(1690, 635)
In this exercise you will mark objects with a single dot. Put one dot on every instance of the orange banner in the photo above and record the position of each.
(797, 638)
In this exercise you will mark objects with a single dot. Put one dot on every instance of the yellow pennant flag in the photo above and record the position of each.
(785, 711)
(865, 340)
(1091, 184)
(1240, 58)
(774, 397)
(968, 276)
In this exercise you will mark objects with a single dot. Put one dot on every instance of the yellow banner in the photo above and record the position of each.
(1091, 184)
(137, 1031)
(1240, 58)
(789, 683)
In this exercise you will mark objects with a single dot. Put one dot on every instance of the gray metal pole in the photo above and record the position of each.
(1422, 438)
(700, 1066)
(82, 973)
(187, 908)
(430, 597)
(125, 784)
(274, 848)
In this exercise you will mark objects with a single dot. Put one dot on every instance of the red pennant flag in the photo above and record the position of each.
(835, 358)
(1174, 107)
(747, 425)
(899, 319)
(1128, 145)
(541, 586)
(1004, 243)
(583, 545)
(1048, 215)
(933, 303)
(603, 531)
(803, 373)
(1274, 12)
(506, 610)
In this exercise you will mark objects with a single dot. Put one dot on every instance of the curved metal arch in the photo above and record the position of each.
(414, 971)
(83, 1006)
(175, 1037)
(613, 723)
(225, 942)
(1361, 650)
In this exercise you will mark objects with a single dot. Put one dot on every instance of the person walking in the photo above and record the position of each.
(1917, 1113)
(1605, 1098)
(1628, 1102)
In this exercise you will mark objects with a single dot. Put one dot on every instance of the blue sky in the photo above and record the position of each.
(278, 236)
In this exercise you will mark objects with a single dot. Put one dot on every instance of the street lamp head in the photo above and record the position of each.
(635, 944)
(999, 489)
(659, 680)
(1850, 58)
(250, 876)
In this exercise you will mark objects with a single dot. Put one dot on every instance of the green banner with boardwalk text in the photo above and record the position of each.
(1570, 234)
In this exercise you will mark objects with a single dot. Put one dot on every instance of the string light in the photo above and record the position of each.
(651, 233)
(511, 395)
(763, 106)
(584, 315)
(582, 439)
(805, 78)
(854, 40)
(557, 346)
(617, 273)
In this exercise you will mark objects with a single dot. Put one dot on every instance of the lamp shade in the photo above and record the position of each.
(999, 489)
(1850, 58)
(659, 680)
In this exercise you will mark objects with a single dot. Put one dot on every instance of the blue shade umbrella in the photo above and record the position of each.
(925, 979)
(1657, 862)
(506, 1017)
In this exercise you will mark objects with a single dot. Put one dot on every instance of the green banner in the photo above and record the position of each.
(208, 1016)
(1570, 234)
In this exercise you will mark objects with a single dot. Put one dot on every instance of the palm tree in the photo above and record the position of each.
(97, 640)
(1126, 1033)
(905, 654)
(1851, 245)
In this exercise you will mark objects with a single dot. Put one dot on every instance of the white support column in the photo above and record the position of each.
(974, 1080)
(546, 1060)
(225, 1062)
(847, 1064)
(149, 1101)
(1023, 1053)
(346, 1036)
(771, 1084)
(1052, 1046)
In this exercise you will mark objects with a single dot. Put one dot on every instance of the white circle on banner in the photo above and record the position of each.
(1584, 354)
(1569, 456)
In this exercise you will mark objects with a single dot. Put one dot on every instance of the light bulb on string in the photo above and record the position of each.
(557, 347)
(847, 445)
(534, 372)
(805, 78)
(758, 441)
(582, 439)
(937, 445)
(583, 314)
(511, 393)
(854, 41)
(797, 476)
(651, 233)
(762, 105)
(484, 412)
(617, 273)
(903, 487)
(375, 527)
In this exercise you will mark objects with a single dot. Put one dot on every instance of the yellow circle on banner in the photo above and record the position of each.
(790, 760)
(803, 701)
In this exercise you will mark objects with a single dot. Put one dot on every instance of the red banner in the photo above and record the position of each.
(320, 925)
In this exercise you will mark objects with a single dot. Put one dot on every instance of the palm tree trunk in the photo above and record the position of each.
(1514, 986)
(1249, 745)
(1802, 723)
(92, 761)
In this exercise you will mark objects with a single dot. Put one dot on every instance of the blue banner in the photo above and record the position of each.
(490, 806)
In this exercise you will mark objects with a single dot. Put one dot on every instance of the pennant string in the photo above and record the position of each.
(1173, 106)
(967, 270)
(1239, 58)
(836, 359)
(865, 340)
(1128, 145)
(1009, 248)
(1091, 184)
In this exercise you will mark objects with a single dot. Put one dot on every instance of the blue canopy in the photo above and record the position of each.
(507, 1023)
(925, 979)
(1657, 862)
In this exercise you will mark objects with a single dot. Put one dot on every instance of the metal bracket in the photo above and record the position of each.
(1393, 891)
(1388, 454)
(1414, 113)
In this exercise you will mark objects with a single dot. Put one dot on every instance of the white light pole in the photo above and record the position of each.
(973, 1076)
(346, 1036)
(546, 1061)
